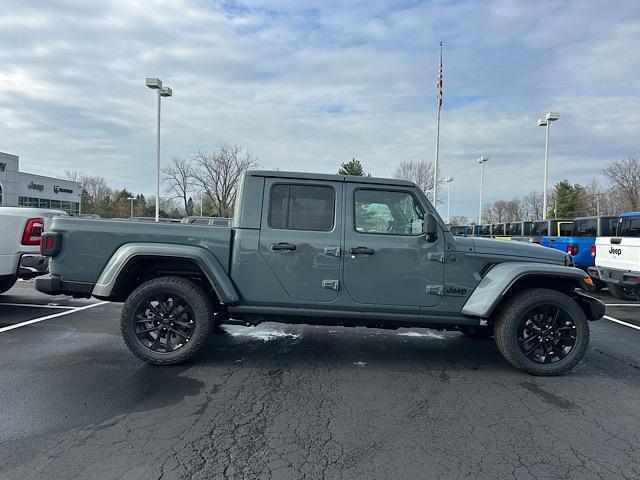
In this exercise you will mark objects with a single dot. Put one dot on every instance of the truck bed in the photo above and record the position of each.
(92, 242)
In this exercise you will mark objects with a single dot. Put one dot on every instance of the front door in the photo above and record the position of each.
(388, 260)
(300, 236)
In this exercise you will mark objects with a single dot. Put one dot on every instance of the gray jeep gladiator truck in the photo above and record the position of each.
(328, 250)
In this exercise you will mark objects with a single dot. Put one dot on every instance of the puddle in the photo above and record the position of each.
(425, 334)
(263, 334)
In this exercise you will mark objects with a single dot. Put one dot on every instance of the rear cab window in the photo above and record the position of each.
(585, 228)
(302, 207)
(629, 226)
(540, 228)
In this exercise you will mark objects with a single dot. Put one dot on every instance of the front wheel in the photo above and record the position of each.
(541, 331)
(166, 321)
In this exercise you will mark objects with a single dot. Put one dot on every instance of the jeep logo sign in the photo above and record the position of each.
(615, 251)
(35, 186)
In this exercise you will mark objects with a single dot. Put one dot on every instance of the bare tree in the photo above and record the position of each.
(218, 173)
(624, 175)
(460, 220)
(180, 179)
(532, 206)
(420, 173)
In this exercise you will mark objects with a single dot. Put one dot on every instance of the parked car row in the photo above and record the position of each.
(607, 247)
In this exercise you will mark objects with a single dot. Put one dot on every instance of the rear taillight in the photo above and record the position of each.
(50, 245)
(572, 249)
(593, 250)
(33, 231)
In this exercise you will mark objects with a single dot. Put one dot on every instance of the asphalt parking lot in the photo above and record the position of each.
(293, 402)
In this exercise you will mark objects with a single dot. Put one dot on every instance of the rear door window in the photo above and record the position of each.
(302, 207)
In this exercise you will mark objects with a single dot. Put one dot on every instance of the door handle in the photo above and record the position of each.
(362, 251)
(283, 246)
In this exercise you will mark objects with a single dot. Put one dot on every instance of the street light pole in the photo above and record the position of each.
(448, 180)
(201, 202)
(546, 122)
(481, 160)
(156, 84)
(132, 200)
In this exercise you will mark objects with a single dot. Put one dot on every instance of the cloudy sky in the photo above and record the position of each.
(306, 85)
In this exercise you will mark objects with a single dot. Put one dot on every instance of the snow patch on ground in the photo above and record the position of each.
(426, 334)
(263, 334)
(360, 364)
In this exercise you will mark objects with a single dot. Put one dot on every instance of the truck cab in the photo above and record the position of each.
(550, 228)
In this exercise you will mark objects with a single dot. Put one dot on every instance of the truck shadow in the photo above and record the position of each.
(272, 346)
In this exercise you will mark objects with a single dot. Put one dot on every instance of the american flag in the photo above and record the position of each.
(440, 80)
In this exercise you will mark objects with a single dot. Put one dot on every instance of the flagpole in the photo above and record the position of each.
(434, 196)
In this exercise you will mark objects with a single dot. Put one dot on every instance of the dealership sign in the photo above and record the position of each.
(58, 189)
(35, 186)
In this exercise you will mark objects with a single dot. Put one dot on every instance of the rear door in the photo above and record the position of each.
(387, 260)
(300, 236)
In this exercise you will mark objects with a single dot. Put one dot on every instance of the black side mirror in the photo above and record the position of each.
(430, 227)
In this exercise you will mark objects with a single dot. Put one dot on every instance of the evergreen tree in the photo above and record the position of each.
(354, 167)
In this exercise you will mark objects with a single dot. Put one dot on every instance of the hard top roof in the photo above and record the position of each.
(328, 177)
(630, 214)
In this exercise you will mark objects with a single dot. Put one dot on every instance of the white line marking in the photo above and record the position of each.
(49, 317)
(34, 305)
(622, 304)
(621, 322)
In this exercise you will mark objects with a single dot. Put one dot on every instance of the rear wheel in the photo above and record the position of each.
(166, 321)
(621, 292)
(6, 282)
(543, 332)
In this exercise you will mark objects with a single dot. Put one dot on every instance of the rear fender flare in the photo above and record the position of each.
(497, 282)
(215, 273)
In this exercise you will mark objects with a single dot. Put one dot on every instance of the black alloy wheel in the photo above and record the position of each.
(164, 322)
(546, 334)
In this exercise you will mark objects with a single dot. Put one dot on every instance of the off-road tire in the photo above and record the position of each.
(7, 282)
(507, 323)
(476, 331)
(197, 299)
(621, 292)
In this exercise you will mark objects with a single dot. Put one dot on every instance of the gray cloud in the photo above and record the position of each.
(309, 87)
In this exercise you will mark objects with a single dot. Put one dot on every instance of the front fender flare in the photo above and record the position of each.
(497, 282)
(220, 281)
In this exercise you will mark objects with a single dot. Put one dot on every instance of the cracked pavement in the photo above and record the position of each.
(306, 402)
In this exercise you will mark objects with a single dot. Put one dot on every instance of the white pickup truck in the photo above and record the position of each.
(20, 232)
(618, 258)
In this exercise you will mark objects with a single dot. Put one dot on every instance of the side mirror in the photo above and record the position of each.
(430, 227)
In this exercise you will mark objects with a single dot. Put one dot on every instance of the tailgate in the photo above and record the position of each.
(621, 253)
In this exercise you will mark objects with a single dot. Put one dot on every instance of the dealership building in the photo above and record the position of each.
(19, 189)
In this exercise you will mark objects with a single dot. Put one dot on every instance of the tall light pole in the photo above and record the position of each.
(448, 180)
(132, 199)
(546, 122)
(201, 202)
(156, 84)
(481, 160)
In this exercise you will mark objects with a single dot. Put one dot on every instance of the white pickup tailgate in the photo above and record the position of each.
(620, 253)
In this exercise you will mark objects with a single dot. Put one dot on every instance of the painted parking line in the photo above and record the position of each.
(630, 325)
(622, 304)
(34, 305)
(49, 317)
